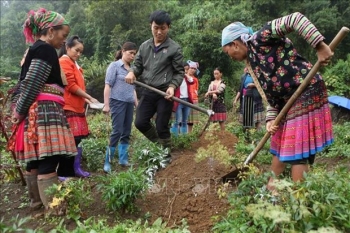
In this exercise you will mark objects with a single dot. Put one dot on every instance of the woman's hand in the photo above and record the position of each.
(16, 118)
(234, 104)
(105, 109)
(324, 53)
(93, 100)
(206, 94)
(215, 97)
(271, 128)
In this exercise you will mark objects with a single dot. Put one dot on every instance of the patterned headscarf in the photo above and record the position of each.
(37, 21)
(193, 64)
(234, 31)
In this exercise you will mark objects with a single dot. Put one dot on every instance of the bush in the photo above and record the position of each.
(119, 191)
(320, 202)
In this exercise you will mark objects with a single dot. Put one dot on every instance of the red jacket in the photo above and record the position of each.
(177, 92)
(75, 81)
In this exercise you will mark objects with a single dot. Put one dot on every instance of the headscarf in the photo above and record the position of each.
(193, 64)
(234, 31)
(38, 21)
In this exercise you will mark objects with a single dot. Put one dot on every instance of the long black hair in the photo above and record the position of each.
(70, 43)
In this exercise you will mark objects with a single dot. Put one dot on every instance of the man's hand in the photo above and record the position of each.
(170, 93)
(130, 78)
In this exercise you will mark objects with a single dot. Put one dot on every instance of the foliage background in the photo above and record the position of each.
(196, 25)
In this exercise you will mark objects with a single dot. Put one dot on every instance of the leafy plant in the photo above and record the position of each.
(341, 145)
(151, 157)
(215, 150)
(119, 191)
(318, 203)
(94, 150)
(16, 225)
(71, 196)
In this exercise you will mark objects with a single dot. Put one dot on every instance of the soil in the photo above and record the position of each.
(184, 189)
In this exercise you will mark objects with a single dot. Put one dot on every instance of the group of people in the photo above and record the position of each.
(49, 113)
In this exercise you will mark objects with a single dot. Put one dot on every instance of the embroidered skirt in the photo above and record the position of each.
(78, 124)
(251, 112)
(44, 132)
(219, 109)
(307, 128)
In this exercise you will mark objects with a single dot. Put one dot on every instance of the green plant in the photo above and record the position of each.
(70, 197)
(150, 156)
(119, 191)
(215, 150)
(94, 150)
(15, 225)
(184, 141)
(318, 203)
(341, 145)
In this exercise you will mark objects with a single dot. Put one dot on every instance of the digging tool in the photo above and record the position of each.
(233, 175)
(209, 112)
(208, 122)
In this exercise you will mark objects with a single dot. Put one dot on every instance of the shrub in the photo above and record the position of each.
(119, 191)
(320, 202)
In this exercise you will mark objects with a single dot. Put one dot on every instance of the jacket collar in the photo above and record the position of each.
(165, 44)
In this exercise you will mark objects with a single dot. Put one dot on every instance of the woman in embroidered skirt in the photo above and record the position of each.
(75, 98)
(216, 92)
(251, 111)
(42, 136)
(279, 69)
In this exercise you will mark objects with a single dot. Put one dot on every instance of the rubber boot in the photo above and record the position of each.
(43, 184)
(79, 172)
(33, 191)
(183, 129)
(109, 156)
(174, 130)
(166, 143)
(123, 154)
(152, 134)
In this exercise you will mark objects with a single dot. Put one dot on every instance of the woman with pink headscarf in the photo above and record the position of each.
(42, 136)
(193, 71)
(182, 111)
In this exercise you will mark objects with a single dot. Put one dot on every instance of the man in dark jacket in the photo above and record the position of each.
(159, 62)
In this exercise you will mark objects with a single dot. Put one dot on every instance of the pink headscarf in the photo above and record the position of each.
(193, 64)
(37, 21)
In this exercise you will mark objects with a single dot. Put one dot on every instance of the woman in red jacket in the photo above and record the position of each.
(75, 98)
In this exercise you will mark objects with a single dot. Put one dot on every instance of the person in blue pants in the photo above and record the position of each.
(119, 99)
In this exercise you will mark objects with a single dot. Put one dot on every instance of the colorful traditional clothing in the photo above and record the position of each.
(219, 107)
(74, 104)
(251, 110)
(44, 131)
(280, 70)
(39, 20)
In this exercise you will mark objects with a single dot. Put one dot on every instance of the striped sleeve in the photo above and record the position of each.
(297, 22)
(31, 86)
(271, 113)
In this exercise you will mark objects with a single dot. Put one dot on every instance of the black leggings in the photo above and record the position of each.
(46, 165)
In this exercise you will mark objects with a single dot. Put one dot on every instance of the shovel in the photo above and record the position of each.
(233, 175)
(209, 112)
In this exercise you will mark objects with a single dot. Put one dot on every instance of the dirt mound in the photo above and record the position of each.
(187, 189)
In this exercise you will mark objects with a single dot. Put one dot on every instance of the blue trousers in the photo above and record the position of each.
(122, 117)
(182, 113)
